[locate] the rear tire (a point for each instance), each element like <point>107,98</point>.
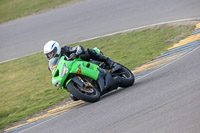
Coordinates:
<point>127,78</point>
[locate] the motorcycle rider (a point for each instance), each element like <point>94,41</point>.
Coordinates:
<point>53,50</point>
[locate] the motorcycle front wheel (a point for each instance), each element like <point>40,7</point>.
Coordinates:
<point>90,94</point>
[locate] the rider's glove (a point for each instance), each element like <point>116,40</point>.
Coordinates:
<point>73,56</point>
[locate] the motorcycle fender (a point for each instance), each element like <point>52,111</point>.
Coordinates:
<point>78,81</point>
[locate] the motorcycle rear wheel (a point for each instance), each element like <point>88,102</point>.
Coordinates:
<point>127,77</point>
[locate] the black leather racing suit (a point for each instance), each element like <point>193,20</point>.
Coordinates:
<point>85,54</point>
<point>68,51</point>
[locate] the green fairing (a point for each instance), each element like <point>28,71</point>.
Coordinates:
<point>87,68</point>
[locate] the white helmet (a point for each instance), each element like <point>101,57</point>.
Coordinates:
<point>52,49</point>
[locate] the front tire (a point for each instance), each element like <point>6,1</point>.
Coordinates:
<point>73,97</point>
<point>93,95</point>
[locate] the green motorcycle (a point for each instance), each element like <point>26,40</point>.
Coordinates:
<point>88,81</point>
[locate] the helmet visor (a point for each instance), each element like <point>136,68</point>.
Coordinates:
<point>51,54</point>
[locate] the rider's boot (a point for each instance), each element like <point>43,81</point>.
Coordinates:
<point>112,65</point>
<point>109,62</point>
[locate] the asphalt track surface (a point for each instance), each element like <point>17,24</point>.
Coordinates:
<point>88,19</point>
<point>165,101</point>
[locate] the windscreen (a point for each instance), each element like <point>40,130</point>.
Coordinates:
<point>53,64</point>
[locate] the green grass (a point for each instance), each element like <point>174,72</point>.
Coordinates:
<point>25,83</point>
<point>135,48</point>
<point>11,9</point>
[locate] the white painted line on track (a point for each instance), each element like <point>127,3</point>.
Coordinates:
<point>141,27</point>
<point>128,30</point>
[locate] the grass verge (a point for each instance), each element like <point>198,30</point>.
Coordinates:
<point>25,83</point>
<point>11,9</point>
